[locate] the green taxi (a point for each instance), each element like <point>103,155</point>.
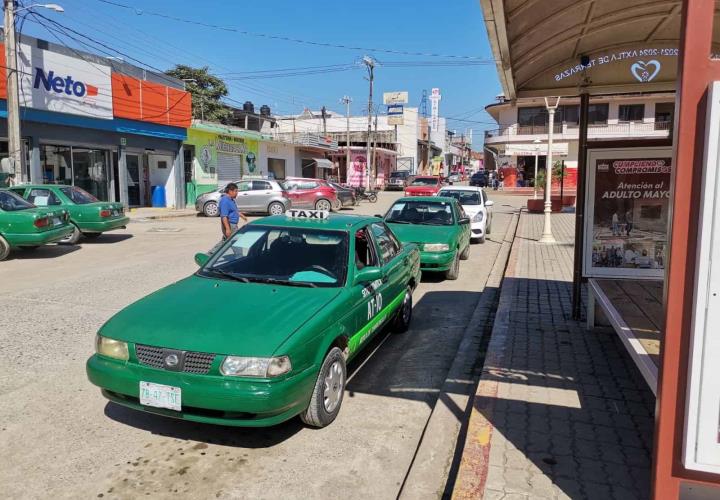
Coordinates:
<point>263,331</point>
<point>438,225</point>
<point>23,225</point>
<point>89,216</point>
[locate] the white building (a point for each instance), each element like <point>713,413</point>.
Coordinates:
<point>523,129</point>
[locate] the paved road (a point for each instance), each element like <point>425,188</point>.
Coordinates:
<point>60,438</point>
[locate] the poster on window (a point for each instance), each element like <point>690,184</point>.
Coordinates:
<point>628,202</point>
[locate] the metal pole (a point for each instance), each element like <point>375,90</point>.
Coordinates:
<point>580,206</point>
<point>547,236</point>
<point>15,149</point>
<point>373,164</point>
<point>368,61</point>
<point>346,101</point>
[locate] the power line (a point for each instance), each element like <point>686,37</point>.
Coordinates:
<point>234,29</point>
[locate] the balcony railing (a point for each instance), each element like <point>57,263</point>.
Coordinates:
<point>627,129</point>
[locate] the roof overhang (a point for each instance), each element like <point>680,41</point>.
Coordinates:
<point>565,47</point>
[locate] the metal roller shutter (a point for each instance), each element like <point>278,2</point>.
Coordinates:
<point>229,168</point>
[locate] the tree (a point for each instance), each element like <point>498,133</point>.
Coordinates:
<point>206,90</point>
<point>557,174</point>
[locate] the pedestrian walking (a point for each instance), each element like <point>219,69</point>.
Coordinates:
<point>615,224</point>
<point>502,181</point>
<point>628,222</point>
<point>229,213</point>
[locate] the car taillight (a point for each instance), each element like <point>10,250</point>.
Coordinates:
<point>105,213</point>
<point>41,222</point>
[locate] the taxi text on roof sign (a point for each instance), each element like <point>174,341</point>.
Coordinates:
<point>308,214</point>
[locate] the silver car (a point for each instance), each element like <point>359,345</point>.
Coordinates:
<point>256,195</point>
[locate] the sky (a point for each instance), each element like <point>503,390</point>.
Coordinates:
<point>439,29</point>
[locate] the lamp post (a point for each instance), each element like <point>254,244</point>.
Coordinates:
<point>537,150</point>
<point>15,150</point>
<point>547,236</point>
<point>370,64</point>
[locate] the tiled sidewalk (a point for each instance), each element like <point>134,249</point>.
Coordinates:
<point>559,412</point>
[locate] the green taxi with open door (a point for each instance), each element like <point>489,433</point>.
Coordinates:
<point>89,216</point>
<point>25,226</point>
<point>263,331</point>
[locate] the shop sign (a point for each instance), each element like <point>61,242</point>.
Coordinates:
<point>643,64</point>
<point>64,84</point>
<point>435,109</point>
<point>628,203</point>
<point>395,98</point>
<point>230,144</point>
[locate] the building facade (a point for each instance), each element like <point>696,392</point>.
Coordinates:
<point>523,130</point>
<point>113,129</point>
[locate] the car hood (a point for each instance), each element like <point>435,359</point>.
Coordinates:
<point>472,210</point>
<point>218,316</point>
<point>411,233</point>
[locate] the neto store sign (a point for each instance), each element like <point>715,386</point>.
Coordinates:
<point>64,84</point>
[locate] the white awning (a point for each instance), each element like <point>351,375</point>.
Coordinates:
<point>324,163</point>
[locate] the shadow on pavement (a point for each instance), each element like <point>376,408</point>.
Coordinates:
<point>51,251</point>
<point>106,239</point>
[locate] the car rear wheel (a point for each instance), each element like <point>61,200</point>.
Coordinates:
<point>404,314</point>
<point>328,393</point>
<point>276,208</point>
<point>454,271</point>
<point>323,205</point>
<point>210,209</point>
<point>4,248</point>
<point>72,238</point>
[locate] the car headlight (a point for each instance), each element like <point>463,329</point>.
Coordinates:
<point>111,348</point>
<point>436,247</point>
<point>478,217</point>
<point>239,366</point>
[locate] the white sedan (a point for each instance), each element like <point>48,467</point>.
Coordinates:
<point>476,205</point>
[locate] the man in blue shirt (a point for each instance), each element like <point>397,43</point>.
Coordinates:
<point>229,213</point>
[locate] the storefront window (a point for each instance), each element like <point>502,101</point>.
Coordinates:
<point>81,167</point>
<point>276,167</point>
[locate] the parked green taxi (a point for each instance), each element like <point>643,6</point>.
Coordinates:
<point>438,225</point>
<point>89,216</point>
<point>23,225</point>
<point>263,330</point>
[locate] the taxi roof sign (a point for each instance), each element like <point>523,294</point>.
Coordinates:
<point>295,213</point>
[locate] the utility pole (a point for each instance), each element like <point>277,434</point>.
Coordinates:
<point>547,236</point>
<point>346,101</point>
<point>373,164</point>
<point>370,64</point>
<point>15,153</point>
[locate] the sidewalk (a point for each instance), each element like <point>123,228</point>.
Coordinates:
<point>559,412</point>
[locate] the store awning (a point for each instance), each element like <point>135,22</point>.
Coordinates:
<point>323,163</point>
<point>607,47</point>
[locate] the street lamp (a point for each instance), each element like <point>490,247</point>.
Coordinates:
<point>537,143</point>
<point>547,236</point>
<point>16,158</point>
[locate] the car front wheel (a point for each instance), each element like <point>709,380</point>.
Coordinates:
<point>328,393</point>
<point>210,209</point>
<point>454,271</point>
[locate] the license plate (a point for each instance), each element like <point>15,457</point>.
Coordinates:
<point>57,221</point>
<point>160,396</point>
<point>115,213</point>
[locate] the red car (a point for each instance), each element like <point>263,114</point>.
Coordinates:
<point>311,193</point>
<point>424,185</point>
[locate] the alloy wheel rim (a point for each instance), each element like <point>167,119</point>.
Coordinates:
<point>323,205</point>
<point>333,387</point>
<point>276,209</point>
<point>211,209</point>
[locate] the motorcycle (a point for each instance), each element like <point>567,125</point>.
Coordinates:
<point>362,195</point>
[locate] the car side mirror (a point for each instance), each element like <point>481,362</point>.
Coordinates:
<point>367,274</point>
<point>201,258</point>
<point>378,215</point>
<point>489,203</point>
<point>464,220</point>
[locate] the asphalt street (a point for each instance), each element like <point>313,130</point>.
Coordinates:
<point>60,438</point>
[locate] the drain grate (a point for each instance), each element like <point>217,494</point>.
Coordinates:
<point>165,230</point>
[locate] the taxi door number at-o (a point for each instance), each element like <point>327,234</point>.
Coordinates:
<point>374,305</point>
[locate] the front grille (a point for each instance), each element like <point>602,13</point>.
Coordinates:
<point>194,362</point>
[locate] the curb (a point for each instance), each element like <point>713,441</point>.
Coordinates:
<point>140,218</point>
<point>473,469</point>
<point>434,457</point>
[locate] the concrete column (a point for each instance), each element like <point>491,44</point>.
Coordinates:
<point>122,177</point>
<point>36,174</point>
<point>180,178</point>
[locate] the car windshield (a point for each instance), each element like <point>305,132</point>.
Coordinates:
<point>431,213</point>
<point>464,197</point>
<point>78,195</point>
<point>400,175</point>
<point>424,181</point>
<point>282,256</point>
<point>10,202</point>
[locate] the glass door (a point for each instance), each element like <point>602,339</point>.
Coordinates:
<point>134,183</point>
